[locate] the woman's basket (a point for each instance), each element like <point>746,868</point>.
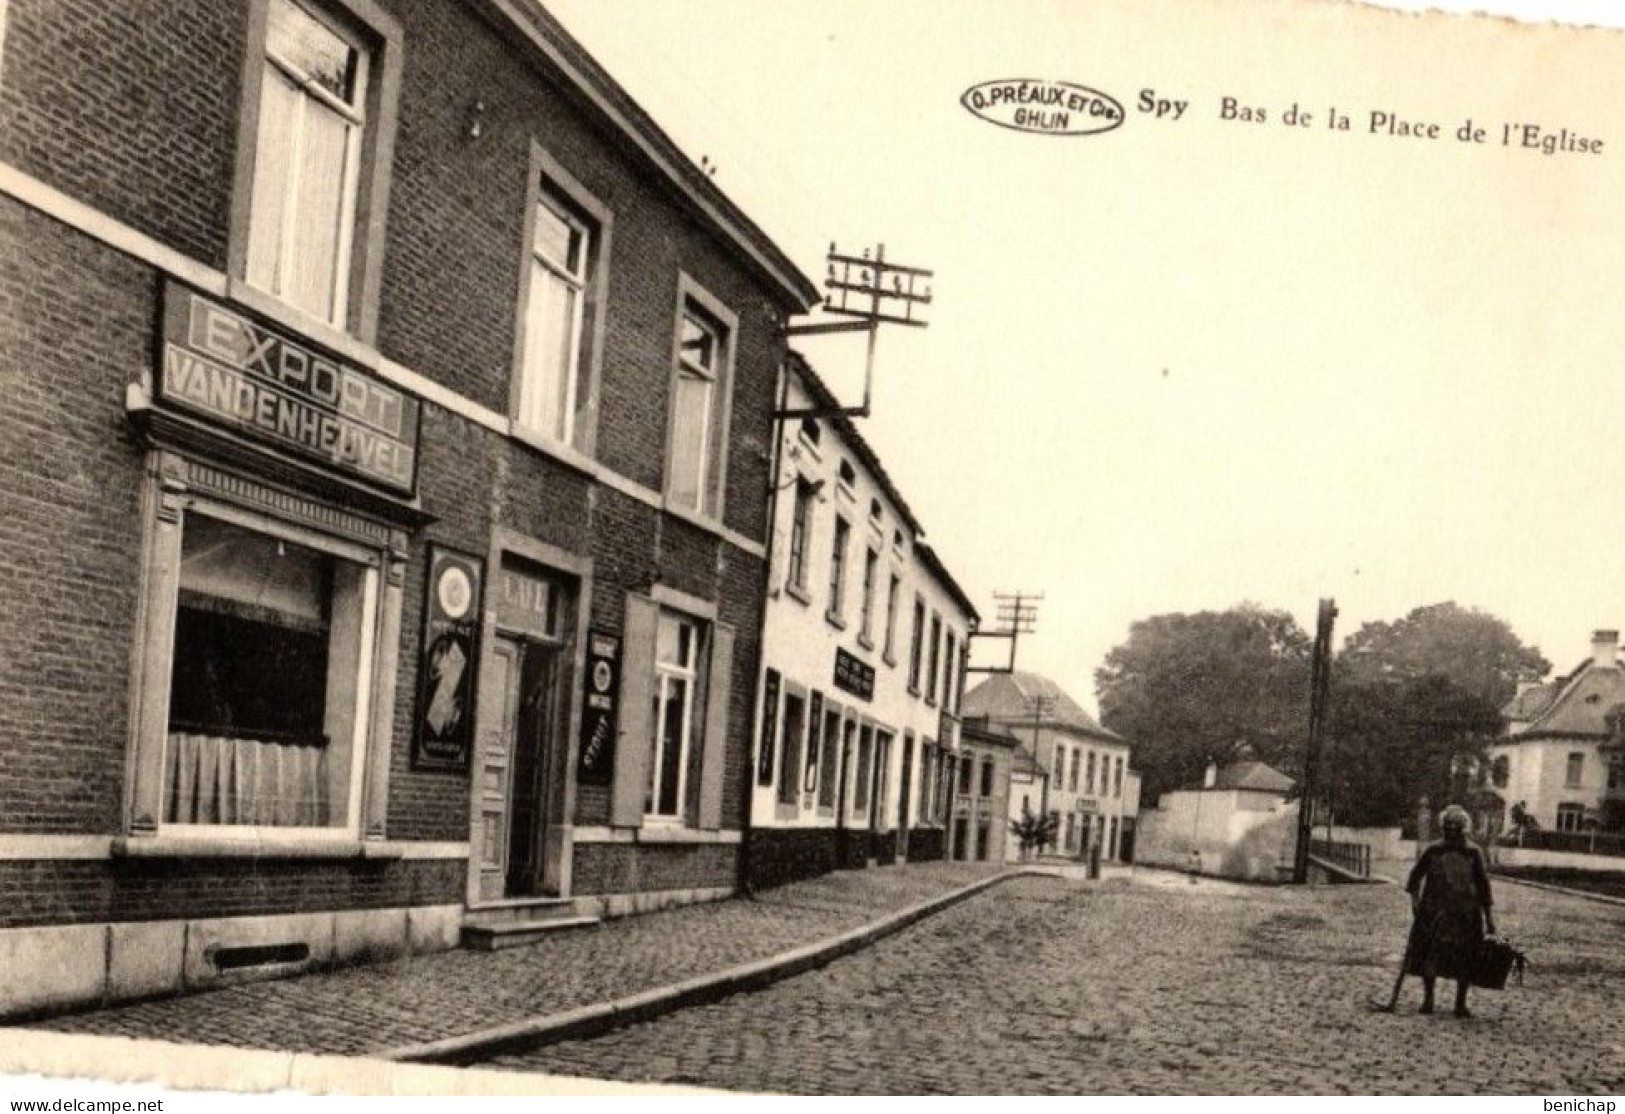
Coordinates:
<point>1493,960</point>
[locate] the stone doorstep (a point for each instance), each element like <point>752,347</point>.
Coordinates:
<point>600,1017</point>
<point>490,937</point>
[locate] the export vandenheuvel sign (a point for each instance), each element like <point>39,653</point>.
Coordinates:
<point>233,370</point>
<point>1043,107</point>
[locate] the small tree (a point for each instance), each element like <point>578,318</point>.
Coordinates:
<point>1034,831</point>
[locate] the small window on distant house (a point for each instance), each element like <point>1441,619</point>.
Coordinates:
<point>1500,771</point>
<point>1576,769</point>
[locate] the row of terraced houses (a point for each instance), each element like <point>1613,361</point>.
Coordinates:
<point>402,548</point>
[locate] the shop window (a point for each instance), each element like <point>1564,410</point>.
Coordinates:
<point>860,783</point>
<point>829,759</point>
<point>677,677</point>
<point>927,773</point>
<point>677,666</point>
<point>1616,773</point>
<point>794,730</point>
<point>1570,817</point>
<point>270,680</point>
<point>981,841</point>
<point>700,380</point>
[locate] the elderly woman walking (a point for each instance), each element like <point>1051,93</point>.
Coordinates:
<point>1450,896</point>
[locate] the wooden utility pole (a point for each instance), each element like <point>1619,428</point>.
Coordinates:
<point>1320,677</point>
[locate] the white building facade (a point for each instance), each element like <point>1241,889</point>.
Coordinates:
<point>863,654</point>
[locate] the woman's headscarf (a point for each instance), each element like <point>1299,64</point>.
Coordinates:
<point>1454,816</point>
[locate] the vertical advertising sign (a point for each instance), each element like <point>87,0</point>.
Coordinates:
<point>443,739</point>
<point>599,707</point>
<point>770,720</point>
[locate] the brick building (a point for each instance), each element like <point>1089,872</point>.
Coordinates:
<point>863,660</point>
<point>386,408</point>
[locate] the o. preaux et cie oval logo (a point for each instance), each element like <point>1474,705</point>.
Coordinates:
<point>1044,107</point>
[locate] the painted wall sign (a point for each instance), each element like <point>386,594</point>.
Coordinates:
<point>1043,107</point>
<point>231,369</point>
<point>526,602</point>
<point>770,721</point>
<point>600,703</point>
<point>444,736</point>
<point>853,675</point>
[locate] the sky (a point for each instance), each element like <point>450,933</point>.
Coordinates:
<point>1190,363</point>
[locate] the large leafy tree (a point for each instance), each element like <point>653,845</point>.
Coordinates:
<point>1477,652</point>
<point>1185,689</point>
<point>1415,703</point>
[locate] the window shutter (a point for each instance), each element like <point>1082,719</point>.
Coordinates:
<point>635,744</point>
<point>714,760</point>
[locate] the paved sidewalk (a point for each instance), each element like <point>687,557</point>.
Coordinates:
<point>384,1005</point>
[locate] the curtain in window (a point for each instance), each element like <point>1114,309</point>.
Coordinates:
<point>689,439</point>
<point>314,252</point>
<point>549,343</point>
<point>217,780</point>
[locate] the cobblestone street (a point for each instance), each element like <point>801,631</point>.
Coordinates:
<point>1152,986</point>
<point>382,1005</point>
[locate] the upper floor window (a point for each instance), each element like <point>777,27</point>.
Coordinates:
<point>1117,778</point>
<point>987,777</point>
<point>312,116</point>
<point>837,567</point>
<point>1077,761</point>
<point>800,530</point>
<point>1500,771</point>
<point>893,591</point>
<point>810,430</point>
<point>934,652</point>
<point>560,247</point>
<point>1089,774</point>
<point>916,645</point>
<point>875,511</point>
<point>848,475</point>
<point>871,569</point>
<point>949,672</point>
<point>699,424</point>
<point>1576,768</point>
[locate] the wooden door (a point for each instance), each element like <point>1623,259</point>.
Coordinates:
<point>498,708</point>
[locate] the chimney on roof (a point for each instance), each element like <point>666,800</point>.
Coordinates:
<point>1604,648</point>
<point>1211,777</point>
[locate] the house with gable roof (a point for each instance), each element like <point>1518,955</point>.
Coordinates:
<point>1560,756</point>
<point>1092,791</point>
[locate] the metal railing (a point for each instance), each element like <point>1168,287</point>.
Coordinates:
<point>1352,857</point>
<point>1580,843</point>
